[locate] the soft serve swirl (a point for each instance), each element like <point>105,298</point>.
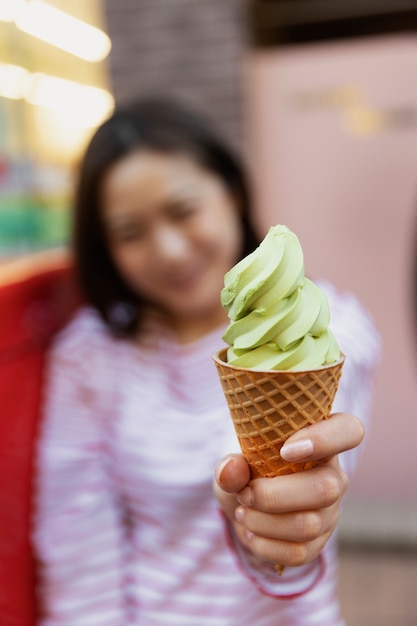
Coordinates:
<point>279,318</point>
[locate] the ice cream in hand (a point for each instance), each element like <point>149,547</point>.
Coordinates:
<point>282,369</point>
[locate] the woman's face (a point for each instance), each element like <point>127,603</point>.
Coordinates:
<point>173,231</point>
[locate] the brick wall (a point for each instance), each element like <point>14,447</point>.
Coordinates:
<point>190,49</point>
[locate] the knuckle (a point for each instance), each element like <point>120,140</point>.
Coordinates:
<point>297,554</point>
<point>266,496</point>
<point>309,525</point>
<point>330,489</point>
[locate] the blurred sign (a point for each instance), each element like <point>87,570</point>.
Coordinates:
<point>333,143</point>
<point>283,22</point>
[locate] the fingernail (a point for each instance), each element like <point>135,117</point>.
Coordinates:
<point>245,496</point>
<point>239,514</point>
<point>297,450</point>
<point>220,467</point>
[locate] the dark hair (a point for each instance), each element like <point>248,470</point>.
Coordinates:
<point>158,124</point>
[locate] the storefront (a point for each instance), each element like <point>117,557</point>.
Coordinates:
<point>332,113</point>
<point>54,90</point>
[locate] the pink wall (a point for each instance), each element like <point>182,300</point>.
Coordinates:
<point>333,142</point>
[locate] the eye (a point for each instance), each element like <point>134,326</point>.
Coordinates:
<point>183,209</point>
<point>126,233</point>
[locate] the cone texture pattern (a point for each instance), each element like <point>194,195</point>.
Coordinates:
<point>268,407</point>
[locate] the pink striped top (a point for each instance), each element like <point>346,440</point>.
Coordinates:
<point>127,527</point>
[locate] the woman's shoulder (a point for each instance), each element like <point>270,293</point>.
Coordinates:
<point>85,333</point>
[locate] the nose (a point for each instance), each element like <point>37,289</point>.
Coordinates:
<point>170,243</point>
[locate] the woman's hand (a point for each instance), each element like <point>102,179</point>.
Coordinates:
<point>289,519</point>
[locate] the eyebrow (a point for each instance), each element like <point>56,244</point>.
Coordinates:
<point>180,188</point>
<point>120,219</point>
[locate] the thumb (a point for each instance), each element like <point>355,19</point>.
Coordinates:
<point>232,473</point>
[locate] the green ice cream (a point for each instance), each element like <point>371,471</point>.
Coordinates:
<point>279,318</point>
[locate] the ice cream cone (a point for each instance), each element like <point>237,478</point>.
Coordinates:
<point>267,407</point>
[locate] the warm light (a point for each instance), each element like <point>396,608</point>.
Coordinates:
<point>9,9</point>
<point>13,81</point>
<point>86,106</point>
<point>62,30</point>
<point>82,106</point>
<point>68,142</point>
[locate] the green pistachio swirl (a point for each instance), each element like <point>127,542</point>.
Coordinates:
<point>279,318</point>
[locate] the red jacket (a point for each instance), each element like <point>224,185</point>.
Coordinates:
<point>37,296</point>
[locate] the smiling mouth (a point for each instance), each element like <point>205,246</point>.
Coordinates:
<point>186,280</point>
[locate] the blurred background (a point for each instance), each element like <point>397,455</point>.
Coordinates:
<point>320,98</point>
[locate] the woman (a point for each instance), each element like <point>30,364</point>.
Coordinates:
<point>128,527</point>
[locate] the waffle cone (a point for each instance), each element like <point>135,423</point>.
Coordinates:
<point>268,407</point>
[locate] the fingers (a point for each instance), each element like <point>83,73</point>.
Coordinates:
<point>291,526</point>
<point>289,519</point>
<point>287,553</point>
<point>231,476</point>
<point>320,441</point>
<point>303,526</point>
<point>232,473</point>
<point>329,437</point>
<point>317,488</point>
